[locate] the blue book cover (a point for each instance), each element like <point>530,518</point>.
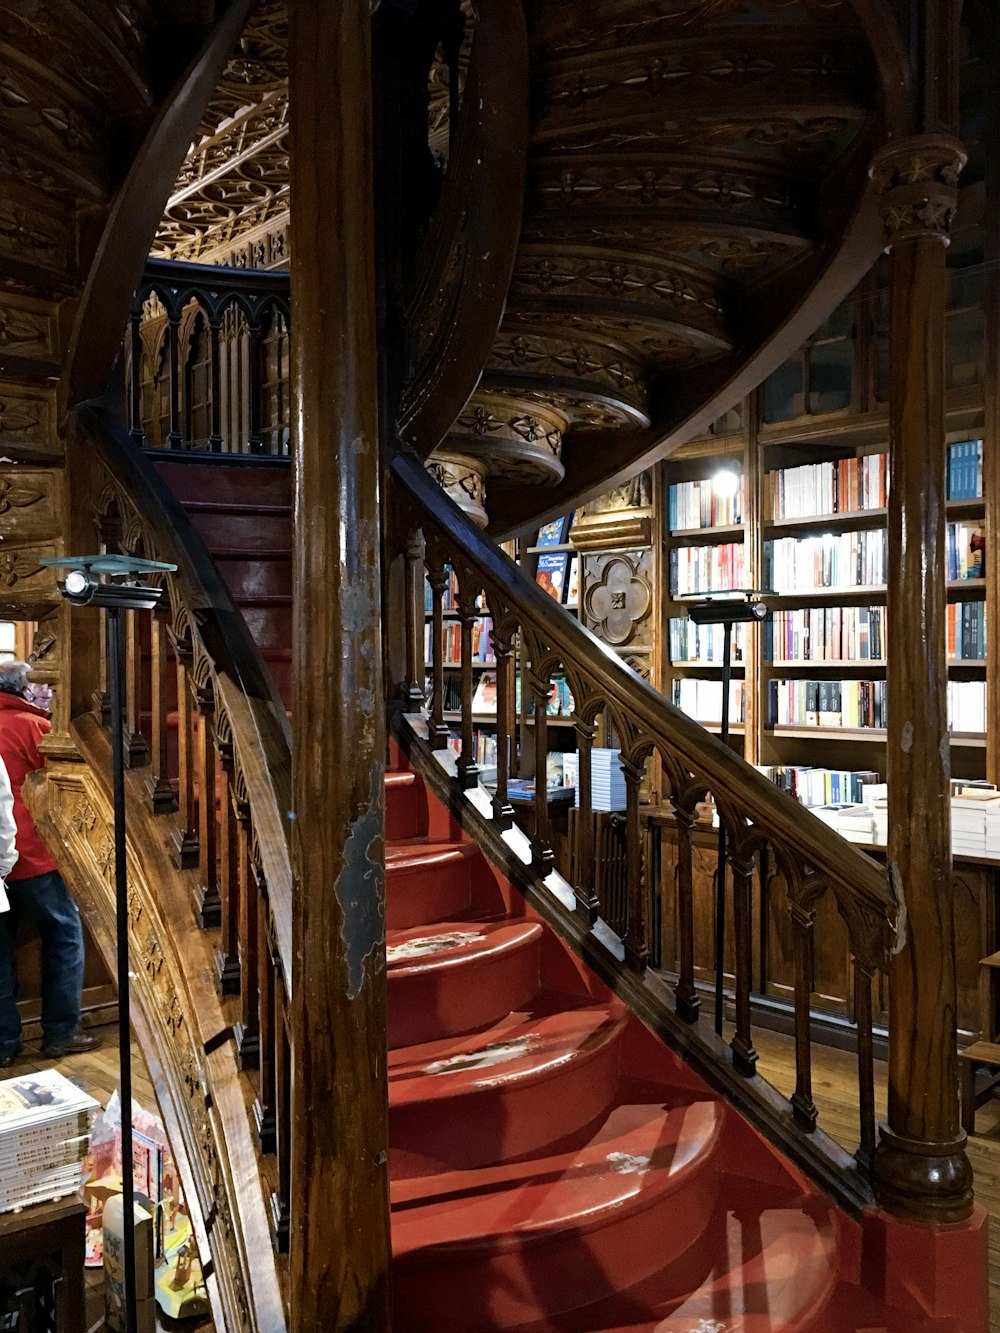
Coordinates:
<point>551,572</point>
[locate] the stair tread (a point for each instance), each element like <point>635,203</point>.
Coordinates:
<point>639,1154</point>
<point>523,1047</point>
<point>454,944</point>
<point>420,850</point>
<point>773,1273</point>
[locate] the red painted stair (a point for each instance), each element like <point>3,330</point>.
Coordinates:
<point>554,1168</point>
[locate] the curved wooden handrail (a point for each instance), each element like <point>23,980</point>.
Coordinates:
<point>848,869</point>
<point>244,692</point>
<point>138,208</point>
<point>465,264</point>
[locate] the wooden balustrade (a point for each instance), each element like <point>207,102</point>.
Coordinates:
<point>198,331</point>
<point>636,870</point>
<point>205,716</point>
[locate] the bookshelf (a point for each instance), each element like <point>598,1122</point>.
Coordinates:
<point>809,684</point>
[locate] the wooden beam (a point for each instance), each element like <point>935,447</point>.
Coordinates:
<point>339,1205</point>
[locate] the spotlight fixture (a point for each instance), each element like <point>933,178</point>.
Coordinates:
<point>119,586</point>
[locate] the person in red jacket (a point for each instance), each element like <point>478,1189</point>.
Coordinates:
<point>35,888</point>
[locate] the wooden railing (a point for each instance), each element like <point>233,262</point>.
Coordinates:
<point>207,359</point>
<point>770,838</point>
<point>202,715</point>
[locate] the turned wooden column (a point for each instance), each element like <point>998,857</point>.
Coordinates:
<point>921,1167</point>
<point>339,1232</point>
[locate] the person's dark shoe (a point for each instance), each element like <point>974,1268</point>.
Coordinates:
<point>7,1060</point>
<point>75,1044</point>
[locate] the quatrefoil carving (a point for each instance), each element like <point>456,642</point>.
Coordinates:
<point>618,602</point>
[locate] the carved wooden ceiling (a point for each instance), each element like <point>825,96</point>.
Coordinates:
<point>689,163</point>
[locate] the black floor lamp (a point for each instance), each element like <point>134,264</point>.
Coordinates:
<point>736,606</point>
<point>111,582</point>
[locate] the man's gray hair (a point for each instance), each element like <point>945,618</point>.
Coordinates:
<point>14,676</point>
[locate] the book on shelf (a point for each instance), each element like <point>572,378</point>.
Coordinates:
<point>550,574</point>
<point>835,560</point>
<point>484,747</point>
<point>966,631</point>
<point>557,532</point>
<point>823,786</point>
<point>826,634</point>
<point>851,704</point>
<point>703,569</point>
<point>703,643</point>
<point>965,551</point>
<point>967,707</point>
<point>482,641</point>
<point>964,470</point>
<point>813,490</point>
<point>697,504</point>
<point>572,592</point>
<point>702,699</point>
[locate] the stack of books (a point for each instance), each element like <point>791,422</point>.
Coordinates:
<point>44,1134</point>
<point>975,822</point>
<point>607,781</point>
<point>854,822</point>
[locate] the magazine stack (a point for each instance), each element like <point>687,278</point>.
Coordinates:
<point>44,1133</point>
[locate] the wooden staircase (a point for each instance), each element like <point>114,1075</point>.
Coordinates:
<point>553,1165</point>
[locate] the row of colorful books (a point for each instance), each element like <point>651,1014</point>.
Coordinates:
<point>965,551</point>
<point>482,641</point>
<point>697,504</point>
<point>830,560</point>
<point>846,486</point>
<point>821,786</point>
<point>826,634</point>
<point>964,470</point>
<point>700,569</point>
<point>853,704</point>
<point>702,699</point>
<point>703,643</point>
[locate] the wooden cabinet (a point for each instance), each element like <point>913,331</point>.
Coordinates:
<point>41,1268</point>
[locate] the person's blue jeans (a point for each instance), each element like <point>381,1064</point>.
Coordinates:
<point>45,903</point>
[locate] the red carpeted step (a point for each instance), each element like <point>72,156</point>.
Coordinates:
<point>466,1101</point>
<point>405,806</point>
<point>458,977</point>
<point>200,481</point>
<point>230,525</point>
<point>489,1248</point>
<point>427,881</point>
<point>255,573</point>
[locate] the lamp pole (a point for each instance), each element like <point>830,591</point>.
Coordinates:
<point>737,606</point>
<point>115,592</point>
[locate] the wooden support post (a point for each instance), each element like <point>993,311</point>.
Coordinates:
<point>339,1232</point>
<point>921,1167</point>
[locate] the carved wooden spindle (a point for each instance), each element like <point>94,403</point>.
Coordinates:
<point>744,1055</point>
<point>255,346</point>
<point>687,1001</point>
<point>247,1029</point>
<point>161,794</point>
<point>282,1196</point>
<point>542,855</point>
<point>413,595</point>
<point>803,918</point>
<point>636,928</point>
<point>174,437</point>
<point>208,904</point>
<point>215,440</point>
<point>438,577</point>
<point>227,959</point>
<point>264,1113</point>
<point>863,974</point>
<point>503,811</point>
<point>584,881</point>
<point>468,611</point>
<point>136,747</point>
<point>135,381</point>
<point>187,837</point>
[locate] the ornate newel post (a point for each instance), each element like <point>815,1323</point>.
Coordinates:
<point>339,1241</point>
<point>921,1168</point>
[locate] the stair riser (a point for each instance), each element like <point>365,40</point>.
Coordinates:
<point>405,810</point>
<point>441,1002</point>
<point>420,894</point>
<point>236,484</point>
<point>248,577</point>
<point>249,532</point>
<point>494,1124</point>
<point>270,626</point>
<point>501,1288</point>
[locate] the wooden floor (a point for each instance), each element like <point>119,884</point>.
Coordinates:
<point>96,1073</point>
<point>835,1094</point>
<point>834,1091</point>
